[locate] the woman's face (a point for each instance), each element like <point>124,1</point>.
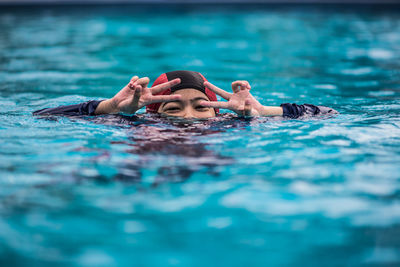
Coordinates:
<point>188,105</point>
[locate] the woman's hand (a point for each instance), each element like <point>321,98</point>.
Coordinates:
<point>136,95</point>
<point>241,101</point>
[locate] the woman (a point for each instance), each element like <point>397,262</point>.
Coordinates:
<point>184,94</point>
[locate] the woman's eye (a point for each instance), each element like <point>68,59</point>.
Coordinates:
<point>172,109</point>
<point>202,108</point>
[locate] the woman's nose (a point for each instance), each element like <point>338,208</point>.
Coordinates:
<point>189,114</point>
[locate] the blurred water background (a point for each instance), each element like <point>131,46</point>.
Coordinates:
<point>146,191</point>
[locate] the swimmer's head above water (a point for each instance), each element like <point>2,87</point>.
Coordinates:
<point>192,92</point>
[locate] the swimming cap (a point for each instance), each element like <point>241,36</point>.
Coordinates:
<point>189,79</point>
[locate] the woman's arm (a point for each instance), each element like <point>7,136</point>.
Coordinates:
<point>129,99</point>
<point>244,104</point>
<point>86,108</point>
<point>294,111</point>
<point>271,111</point>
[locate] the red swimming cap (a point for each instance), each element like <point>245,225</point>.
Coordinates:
<point>189,79</point>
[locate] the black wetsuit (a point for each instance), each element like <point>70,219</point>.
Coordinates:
<point>88,108</point>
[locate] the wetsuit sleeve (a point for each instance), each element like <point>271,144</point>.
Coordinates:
<point>86,108</point>
<point>294,111</point>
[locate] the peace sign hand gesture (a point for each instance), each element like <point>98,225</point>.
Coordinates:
<point>136,95</point>
<point>241,101</point>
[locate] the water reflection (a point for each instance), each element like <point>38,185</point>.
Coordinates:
<point>170,145</point>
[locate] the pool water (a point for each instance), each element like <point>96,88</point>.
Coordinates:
<point>147,191</point>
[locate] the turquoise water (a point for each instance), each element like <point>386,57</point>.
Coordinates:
<point>146,191</point>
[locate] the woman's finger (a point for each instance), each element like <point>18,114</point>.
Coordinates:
<point>163,98</point>
<point>164,86</point>
<point>136,95</point>
<point>240,85</point>
<point>214,104</point>
<point>236,86</point>
<point>143,81</point>
<point>132,82</point>
<point>134,79</point>
<point>132,85</point>
<point>245,85</point>
<point>224,94</point>
<point>247,108</point>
